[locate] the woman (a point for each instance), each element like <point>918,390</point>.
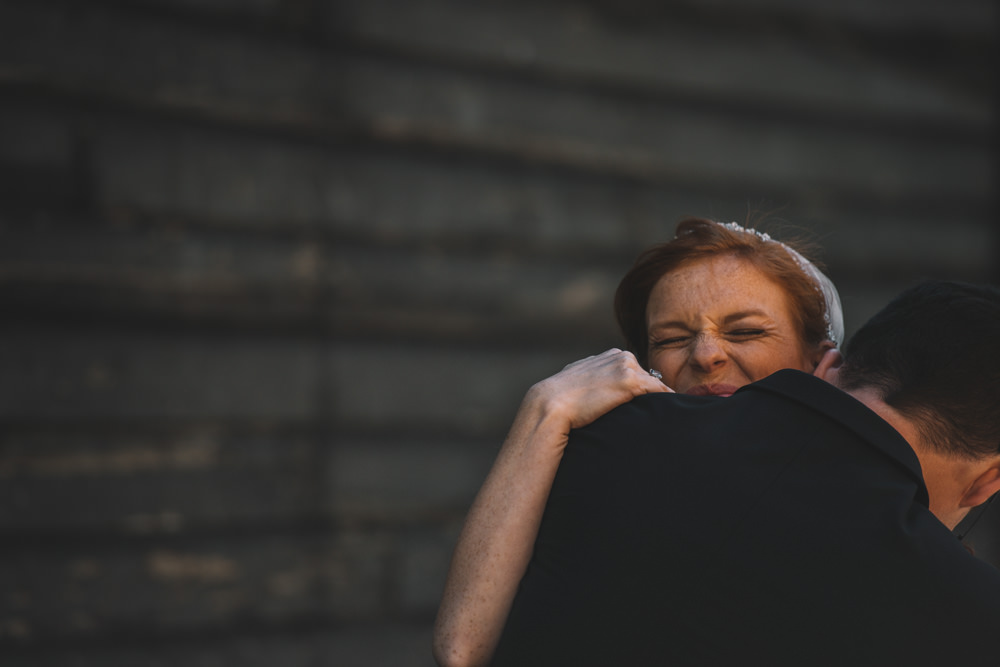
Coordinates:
<point>714,309</point>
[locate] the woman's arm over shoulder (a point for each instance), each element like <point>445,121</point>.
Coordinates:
<point>497,539</point>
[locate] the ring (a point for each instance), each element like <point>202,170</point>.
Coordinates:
<point>655,373</point>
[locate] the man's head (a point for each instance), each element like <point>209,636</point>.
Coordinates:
<point>932,356</point>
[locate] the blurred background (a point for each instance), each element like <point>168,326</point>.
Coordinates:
<point>276,273</point>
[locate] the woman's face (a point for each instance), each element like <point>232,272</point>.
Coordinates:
<point>719,323</point>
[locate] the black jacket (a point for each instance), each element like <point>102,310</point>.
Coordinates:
<point>785,525</point>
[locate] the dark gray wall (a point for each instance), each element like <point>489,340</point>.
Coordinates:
<point>275,274</point>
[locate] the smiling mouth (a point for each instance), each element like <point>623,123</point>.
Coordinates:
<point>713,390</point>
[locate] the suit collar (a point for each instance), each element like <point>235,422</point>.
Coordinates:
<point>846,410</point>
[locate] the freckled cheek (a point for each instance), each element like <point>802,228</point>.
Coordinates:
<point>759,366</point>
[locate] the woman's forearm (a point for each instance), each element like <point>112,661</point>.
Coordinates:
<point>496,542</point>
<point>498,538</point>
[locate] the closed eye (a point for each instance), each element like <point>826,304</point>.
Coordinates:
<point>673,341</point>
<point>746,333</point>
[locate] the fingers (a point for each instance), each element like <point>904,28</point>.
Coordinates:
<point>612,368</point>
<point>643,380</point>
<point>596,358</point>
<point>590,387</point>
<point>655,384</point>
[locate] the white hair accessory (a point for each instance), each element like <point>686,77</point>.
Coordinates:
<point>833,313</point>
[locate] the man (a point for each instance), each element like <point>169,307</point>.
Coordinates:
<point>798,522</point>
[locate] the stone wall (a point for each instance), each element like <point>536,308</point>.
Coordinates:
<point>275,274</point>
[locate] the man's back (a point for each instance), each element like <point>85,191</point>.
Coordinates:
<point>787,524</point>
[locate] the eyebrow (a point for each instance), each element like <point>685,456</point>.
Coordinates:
<point>733,317</point>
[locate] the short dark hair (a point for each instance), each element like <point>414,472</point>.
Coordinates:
<point>700,238</point>
<point>933,354</point>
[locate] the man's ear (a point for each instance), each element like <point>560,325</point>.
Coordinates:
<point>828,364</point>
<point>982,487</point>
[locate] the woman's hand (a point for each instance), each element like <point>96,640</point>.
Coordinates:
<point>591,387</point>
<point>499,534</point>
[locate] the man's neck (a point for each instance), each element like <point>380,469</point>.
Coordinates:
<point>946,476</point>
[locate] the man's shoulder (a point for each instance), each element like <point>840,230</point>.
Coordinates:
<point>652,415</point>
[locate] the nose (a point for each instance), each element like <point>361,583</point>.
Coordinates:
<point>707,353</point>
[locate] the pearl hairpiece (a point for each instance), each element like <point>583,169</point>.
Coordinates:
<point>833,313</point>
